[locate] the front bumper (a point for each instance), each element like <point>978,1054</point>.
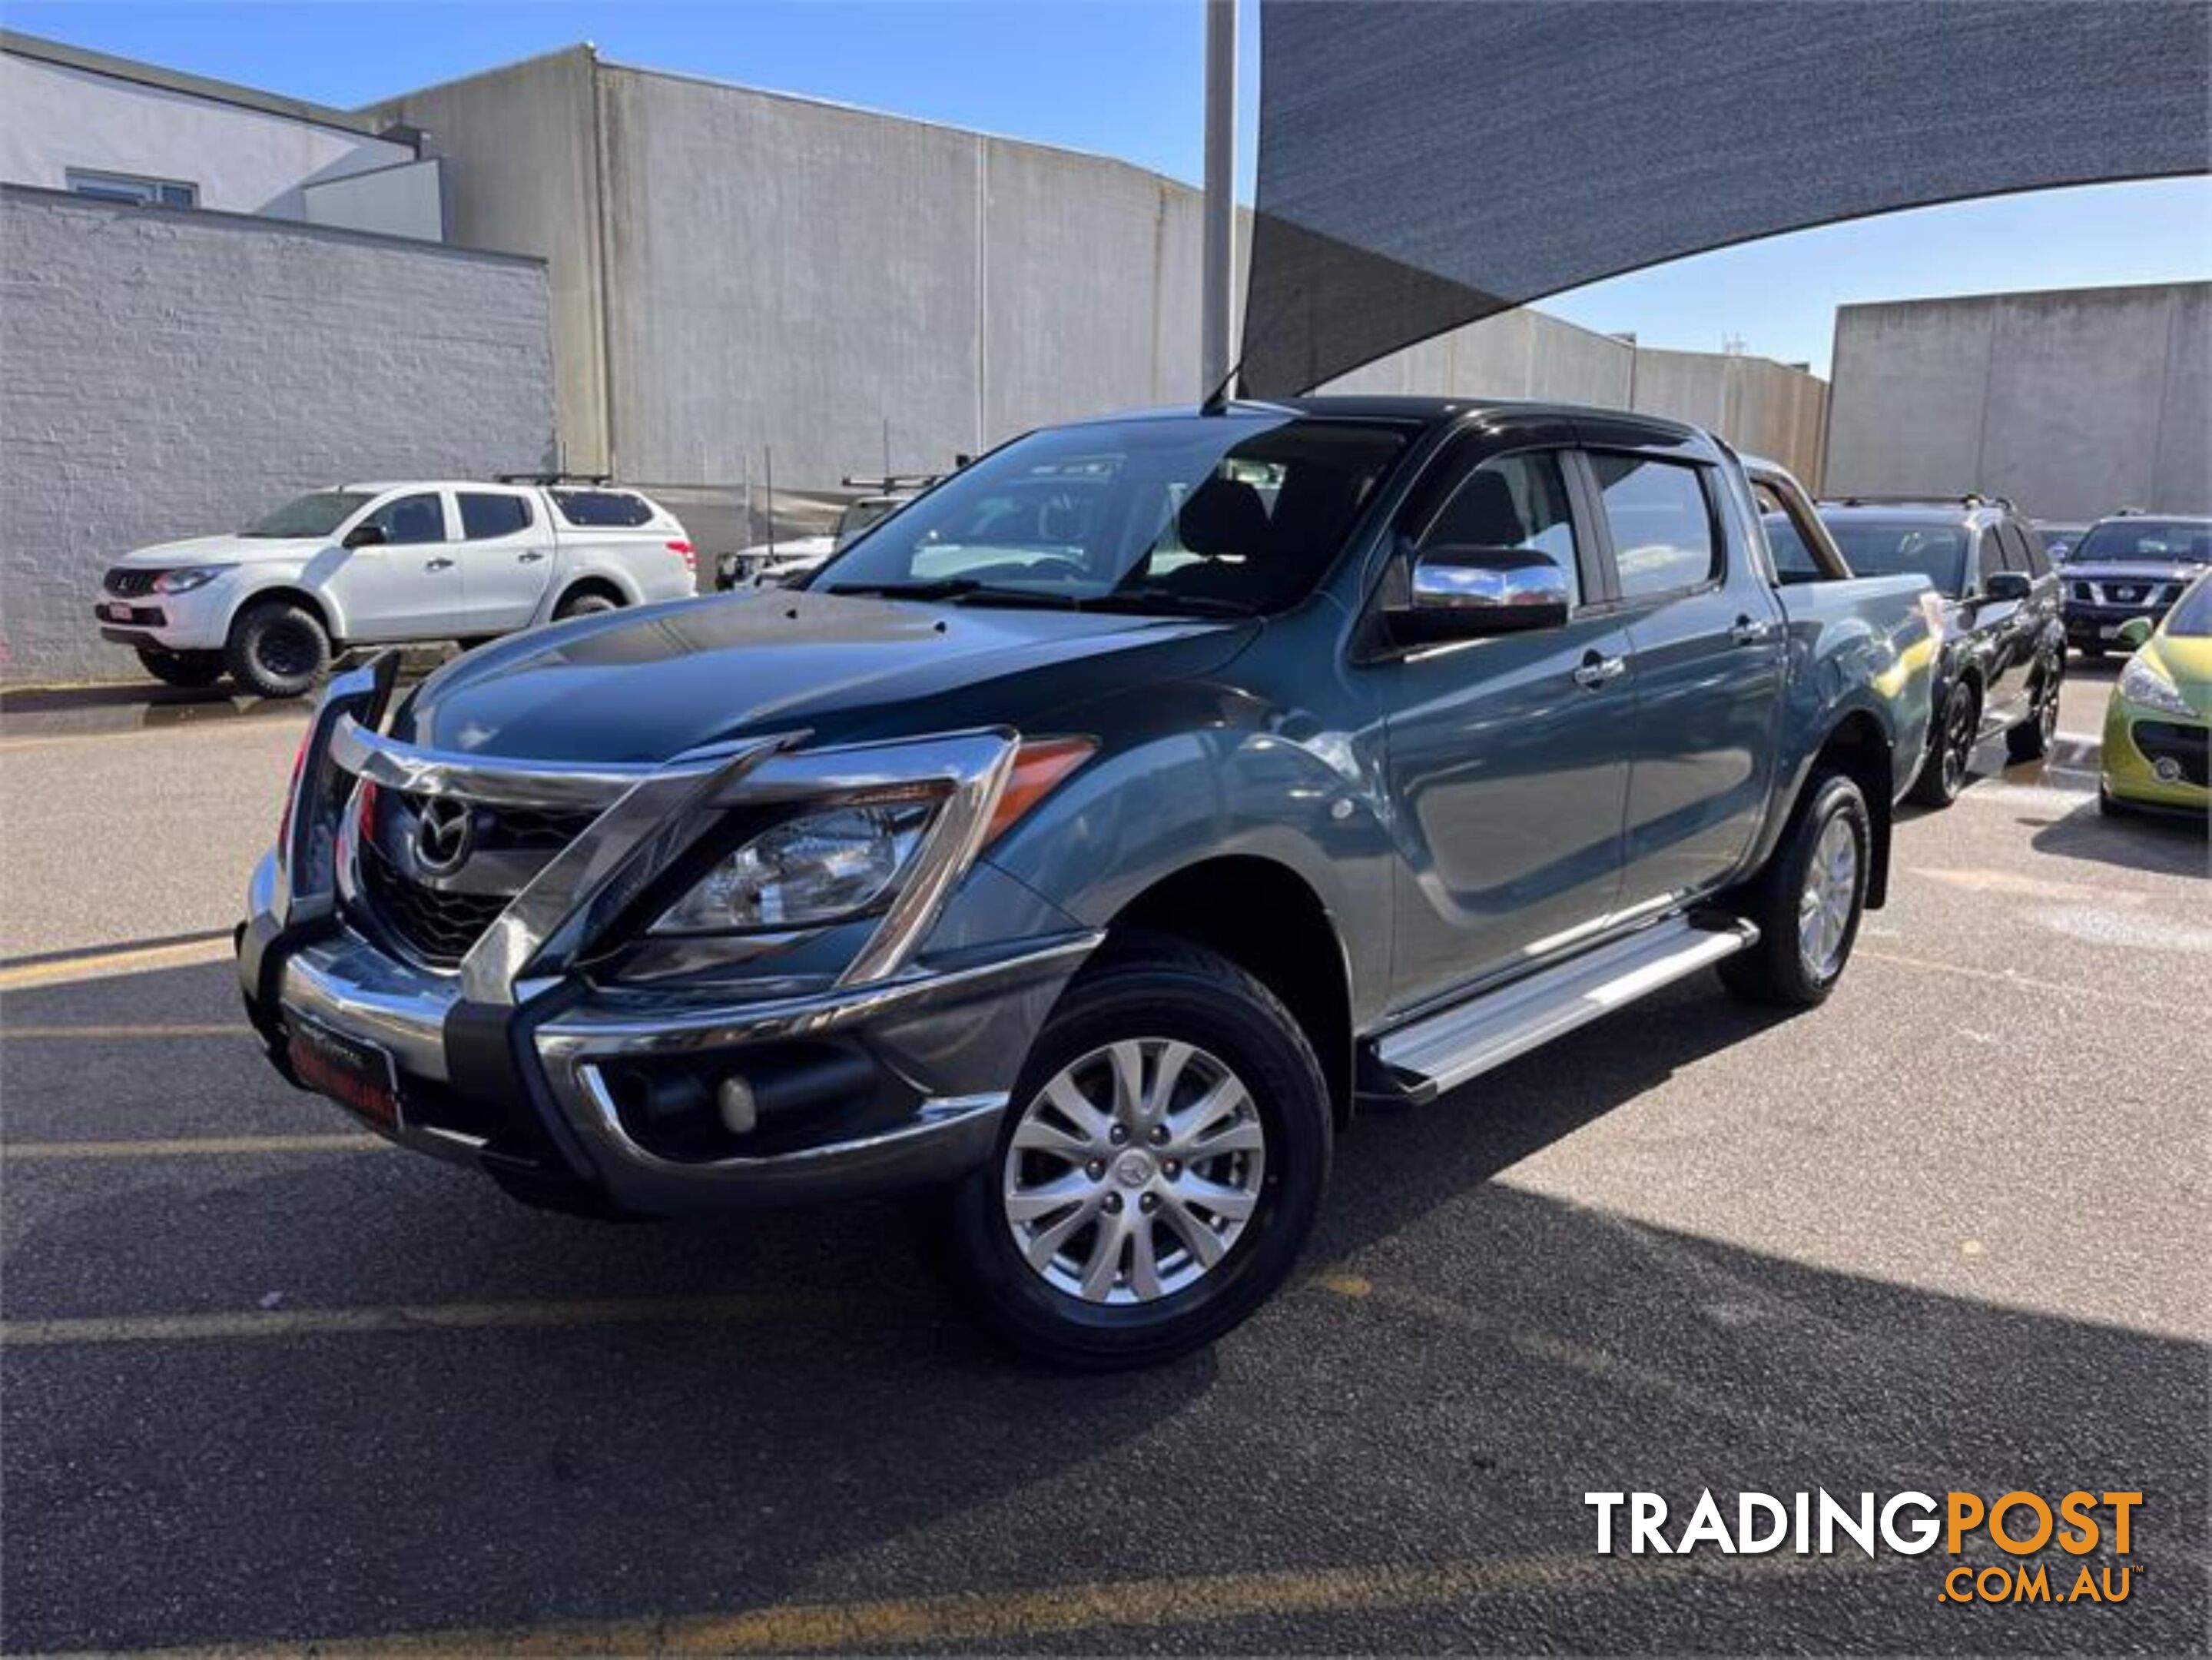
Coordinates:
<point>2155,759</point>
<point>2099,625</point>
<point>196,620</point>
<point>598,1096</point>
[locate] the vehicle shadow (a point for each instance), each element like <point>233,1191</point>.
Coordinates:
<point>866,1443</point>
<point>2169,846</point>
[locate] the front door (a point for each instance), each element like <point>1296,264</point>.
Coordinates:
<point>408,587</point>
<point>1504,755</point>
<point>1708,648</point>
<point>506,554</point>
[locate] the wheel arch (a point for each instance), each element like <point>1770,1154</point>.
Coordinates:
<point>1858,747</point>
<point>592,578</point>
<point>1269,921</point>
<point>319,606</point>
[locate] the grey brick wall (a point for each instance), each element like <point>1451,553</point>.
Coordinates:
<point>166,375</point>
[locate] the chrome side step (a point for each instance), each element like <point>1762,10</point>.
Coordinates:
<point>1443,1050</point>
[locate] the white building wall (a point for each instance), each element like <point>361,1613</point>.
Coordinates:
<point>53,118</point>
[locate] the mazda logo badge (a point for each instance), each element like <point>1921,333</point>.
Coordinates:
<point>445,836</point>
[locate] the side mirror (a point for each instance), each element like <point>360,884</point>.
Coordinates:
<point>2007,585</point>
<point>2134,633</point>
<point>1459,592</point>
<point>365,535</point>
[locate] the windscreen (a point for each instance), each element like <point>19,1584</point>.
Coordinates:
<point>1902,547</point>
<point>319,515</point>
<point>2191,619</point>
<point>2147,541</point>
<point>1204,514</point>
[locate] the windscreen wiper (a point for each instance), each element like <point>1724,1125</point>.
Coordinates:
<point>961,591</point>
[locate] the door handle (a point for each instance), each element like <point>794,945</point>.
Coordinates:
<point>437,565</point>
<point>1750,632</point>
<point>529,558</point>
<point>1597,670</point>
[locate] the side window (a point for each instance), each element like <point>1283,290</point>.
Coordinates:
<point>602,509</point>
<point>2039,556</point>
<point>1662,523</point>
<point>2015,550</point>
<point>407,519</point>
<point>1513,501</point>
<point>1989,554</point>
<point>484,515</point>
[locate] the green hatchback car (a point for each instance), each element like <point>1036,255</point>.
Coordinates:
<point>2158,726</point>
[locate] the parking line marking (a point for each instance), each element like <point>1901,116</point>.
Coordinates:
<point>112,1034</point>
<point>187,1146</point>
<point>2023,983</point>
<point>727,1308</point>
<point>1013,1617</point>
<point>101,965</point>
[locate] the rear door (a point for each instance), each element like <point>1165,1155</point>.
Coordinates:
<point>1504,757</point>
<point>506,555</point>
<point>1708,652</point>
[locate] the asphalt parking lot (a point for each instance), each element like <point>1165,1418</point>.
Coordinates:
<point>268,1384</point>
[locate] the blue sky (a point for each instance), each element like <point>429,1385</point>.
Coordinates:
<point>1124,77</point>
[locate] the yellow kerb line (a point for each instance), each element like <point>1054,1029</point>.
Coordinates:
<point>138,959</point>
<point>734,1307</point>
<point>1017,1616</point>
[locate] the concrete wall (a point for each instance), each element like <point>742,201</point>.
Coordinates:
<point>520,159</point>
<point>1765,408</point>
<point>405,200</point>
<point>53,118</point>
<point>170,373</point>
<point>850,290</point>
<point>2073,403</point>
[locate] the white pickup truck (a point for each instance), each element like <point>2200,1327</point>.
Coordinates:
<point>367,564</point>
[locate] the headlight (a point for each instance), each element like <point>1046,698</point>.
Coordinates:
<point>191,577</point>
<point>2142,681</point>
<point>805,870</point>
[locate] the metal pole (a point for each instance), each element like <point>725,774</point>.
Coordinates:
<point>1219,317</point>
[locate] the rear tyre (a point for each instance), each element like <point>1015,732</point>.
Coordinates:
<point>2031,740</point>
<point>277,649</point>
<point>589,603</point>
<point>1157,1171</point>
<point>193,669</point>
<point>1808,901</point>
<point>1950,749</point>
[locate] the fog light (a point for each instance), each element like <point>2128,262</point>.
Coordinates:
<point>733,1099</point>
<point>2167,769</point>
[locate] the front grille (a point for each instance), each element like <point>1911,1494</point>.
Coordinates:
<point>439,924</point>
<point>125,583</point>
<point>2188,748</point>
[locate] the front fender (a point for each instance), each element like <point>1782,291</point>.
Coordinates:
<point>1305,803</point>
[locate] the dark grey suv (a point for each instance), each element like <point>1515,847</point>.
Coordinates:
<point>1091,838</point>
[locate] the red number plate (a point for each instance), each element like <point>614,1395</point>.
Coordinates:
<point>358,1076</point>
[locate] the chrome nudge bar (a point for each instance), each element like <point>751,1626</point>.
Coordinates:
<point>648,817</point>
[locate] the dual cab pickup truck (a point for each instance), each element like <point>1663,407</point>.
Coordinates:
<point>1093,868</point>
<point>362,564</point>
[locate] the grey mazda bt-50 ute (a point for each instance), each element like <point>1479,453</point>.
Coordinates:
<point>1091,839</point>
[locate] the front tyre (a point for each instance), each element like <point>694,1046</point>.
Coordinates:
<point>1951,749</point>
<point>1159,1168</point>
<point>277,649</point>
<point>1808,900</point>
<point>191,668</point>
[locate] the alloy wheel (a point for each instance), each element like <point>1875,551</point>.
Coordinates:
<point>1134,1171</point>
<point>1958,740</point>
<point>1824,908</point>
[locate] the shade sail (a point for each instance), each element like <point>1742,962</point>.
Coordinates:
<point>1423,165</point>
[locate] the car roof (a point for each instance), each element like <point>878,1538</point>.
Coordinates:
<point>2132,517</point>
<point>377,486</point>
<point>1423,410</point>
<point>1948,513</point>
